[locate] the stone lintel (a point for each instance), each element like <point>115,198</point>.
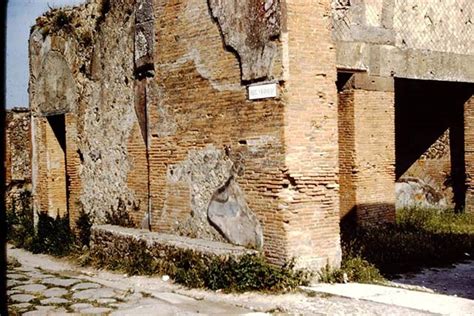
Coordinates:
<point>365,81</point>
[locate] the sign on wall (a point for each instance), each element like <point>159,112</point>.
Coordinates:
<point>263,91</point>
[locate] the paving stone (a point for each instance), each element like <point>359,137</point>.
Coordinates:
<point>60,282</point>
<point>96,310</point>
<point>80,306</point>
<point>11,283</point>
<point>21,305</point>
<point>94,294</point>
<point>54,300</point>
<point>50,310</point>
<point>39,275</point>
<point>22,298</point>
<point>16,276</point>
<point>55,292</point>
<point>85,286</point>
<point>106,300</point>
<point>12,292</point>
<point>25,269</point>
<point>31,288</point>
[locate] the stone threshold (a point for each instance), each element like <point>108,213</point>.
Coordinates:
<point>153,239</point>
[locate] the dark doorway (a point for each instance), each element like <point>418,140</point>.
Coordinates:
<point>429,133</point>
<point>56,165</point>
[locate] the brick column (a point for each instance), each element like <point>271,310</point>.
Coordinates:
<point>469,152</point>
<point>367,149</point>
<point>310,198</point>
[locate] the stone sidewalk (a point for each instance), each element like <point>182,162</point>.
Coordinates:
<point>422,301</point>
<point>43,285</point>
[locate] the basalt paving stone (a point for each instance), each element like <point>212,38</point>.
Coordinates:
<point>16,276</point>
<point>12,292</point>
<point>12,283</point>
<point>22,298</point>
<point>26,269</point>
<point>54,300</point>
<point>52,310</point>
<point>60,282</point>
<point>80,306</point>
<point>21,306</point>
<point>96,310</point>
<point>39,275</point>
<point>55,292</point>
<point>31,288</point>
<point>85,286</point>
<point>94,294</point>
<point>106,300</point>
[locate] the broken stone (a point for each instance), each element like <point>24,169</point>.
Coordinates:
<point>229,213</point>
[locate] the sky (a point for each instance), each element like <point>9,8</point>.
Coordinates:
<point>21,15</point>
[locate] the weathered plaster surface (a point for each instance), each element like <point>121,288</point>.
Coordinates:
<point>249,27</point>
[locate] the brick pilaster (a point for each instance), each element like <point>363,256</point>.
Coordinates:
<point>367,149</point>
<point>469,152</point>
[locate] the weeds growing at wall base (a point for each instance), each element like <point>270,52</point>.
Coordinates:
<point>419,238</point>
<point>251,272</point>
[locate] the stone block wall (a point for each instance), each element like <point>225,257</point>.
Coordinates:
<point>428,40</point>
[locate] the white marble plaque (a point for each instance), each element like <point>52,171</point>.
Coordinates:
<point>263,91</point>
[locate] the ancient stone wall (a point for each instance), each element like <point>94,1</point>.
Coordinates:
<point>82,66</point>
<point>157,114</point>
<point>216,158</point>
<point>429,40</point>
<point>17,161</point>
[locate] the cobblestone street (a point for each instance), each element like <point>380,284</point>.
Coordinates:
<point>43,285</point>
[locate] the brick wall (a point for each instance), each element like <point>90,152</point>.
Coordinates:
<point>73,165</point>
<point>55,170</point>
<point>310,199</point>
<point>469,152</point>
<point>197,104</point>
<point>367,154</point>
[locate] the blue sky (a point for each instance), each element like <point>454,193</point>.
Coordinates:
<point>21,15</point>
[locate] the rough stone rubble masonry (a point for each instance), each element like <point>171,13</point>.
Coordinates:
<point>17,161</point>
<point>143,105</point>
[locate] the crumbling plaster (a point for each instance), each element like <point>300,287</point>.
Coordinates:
<point>97,84</point>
